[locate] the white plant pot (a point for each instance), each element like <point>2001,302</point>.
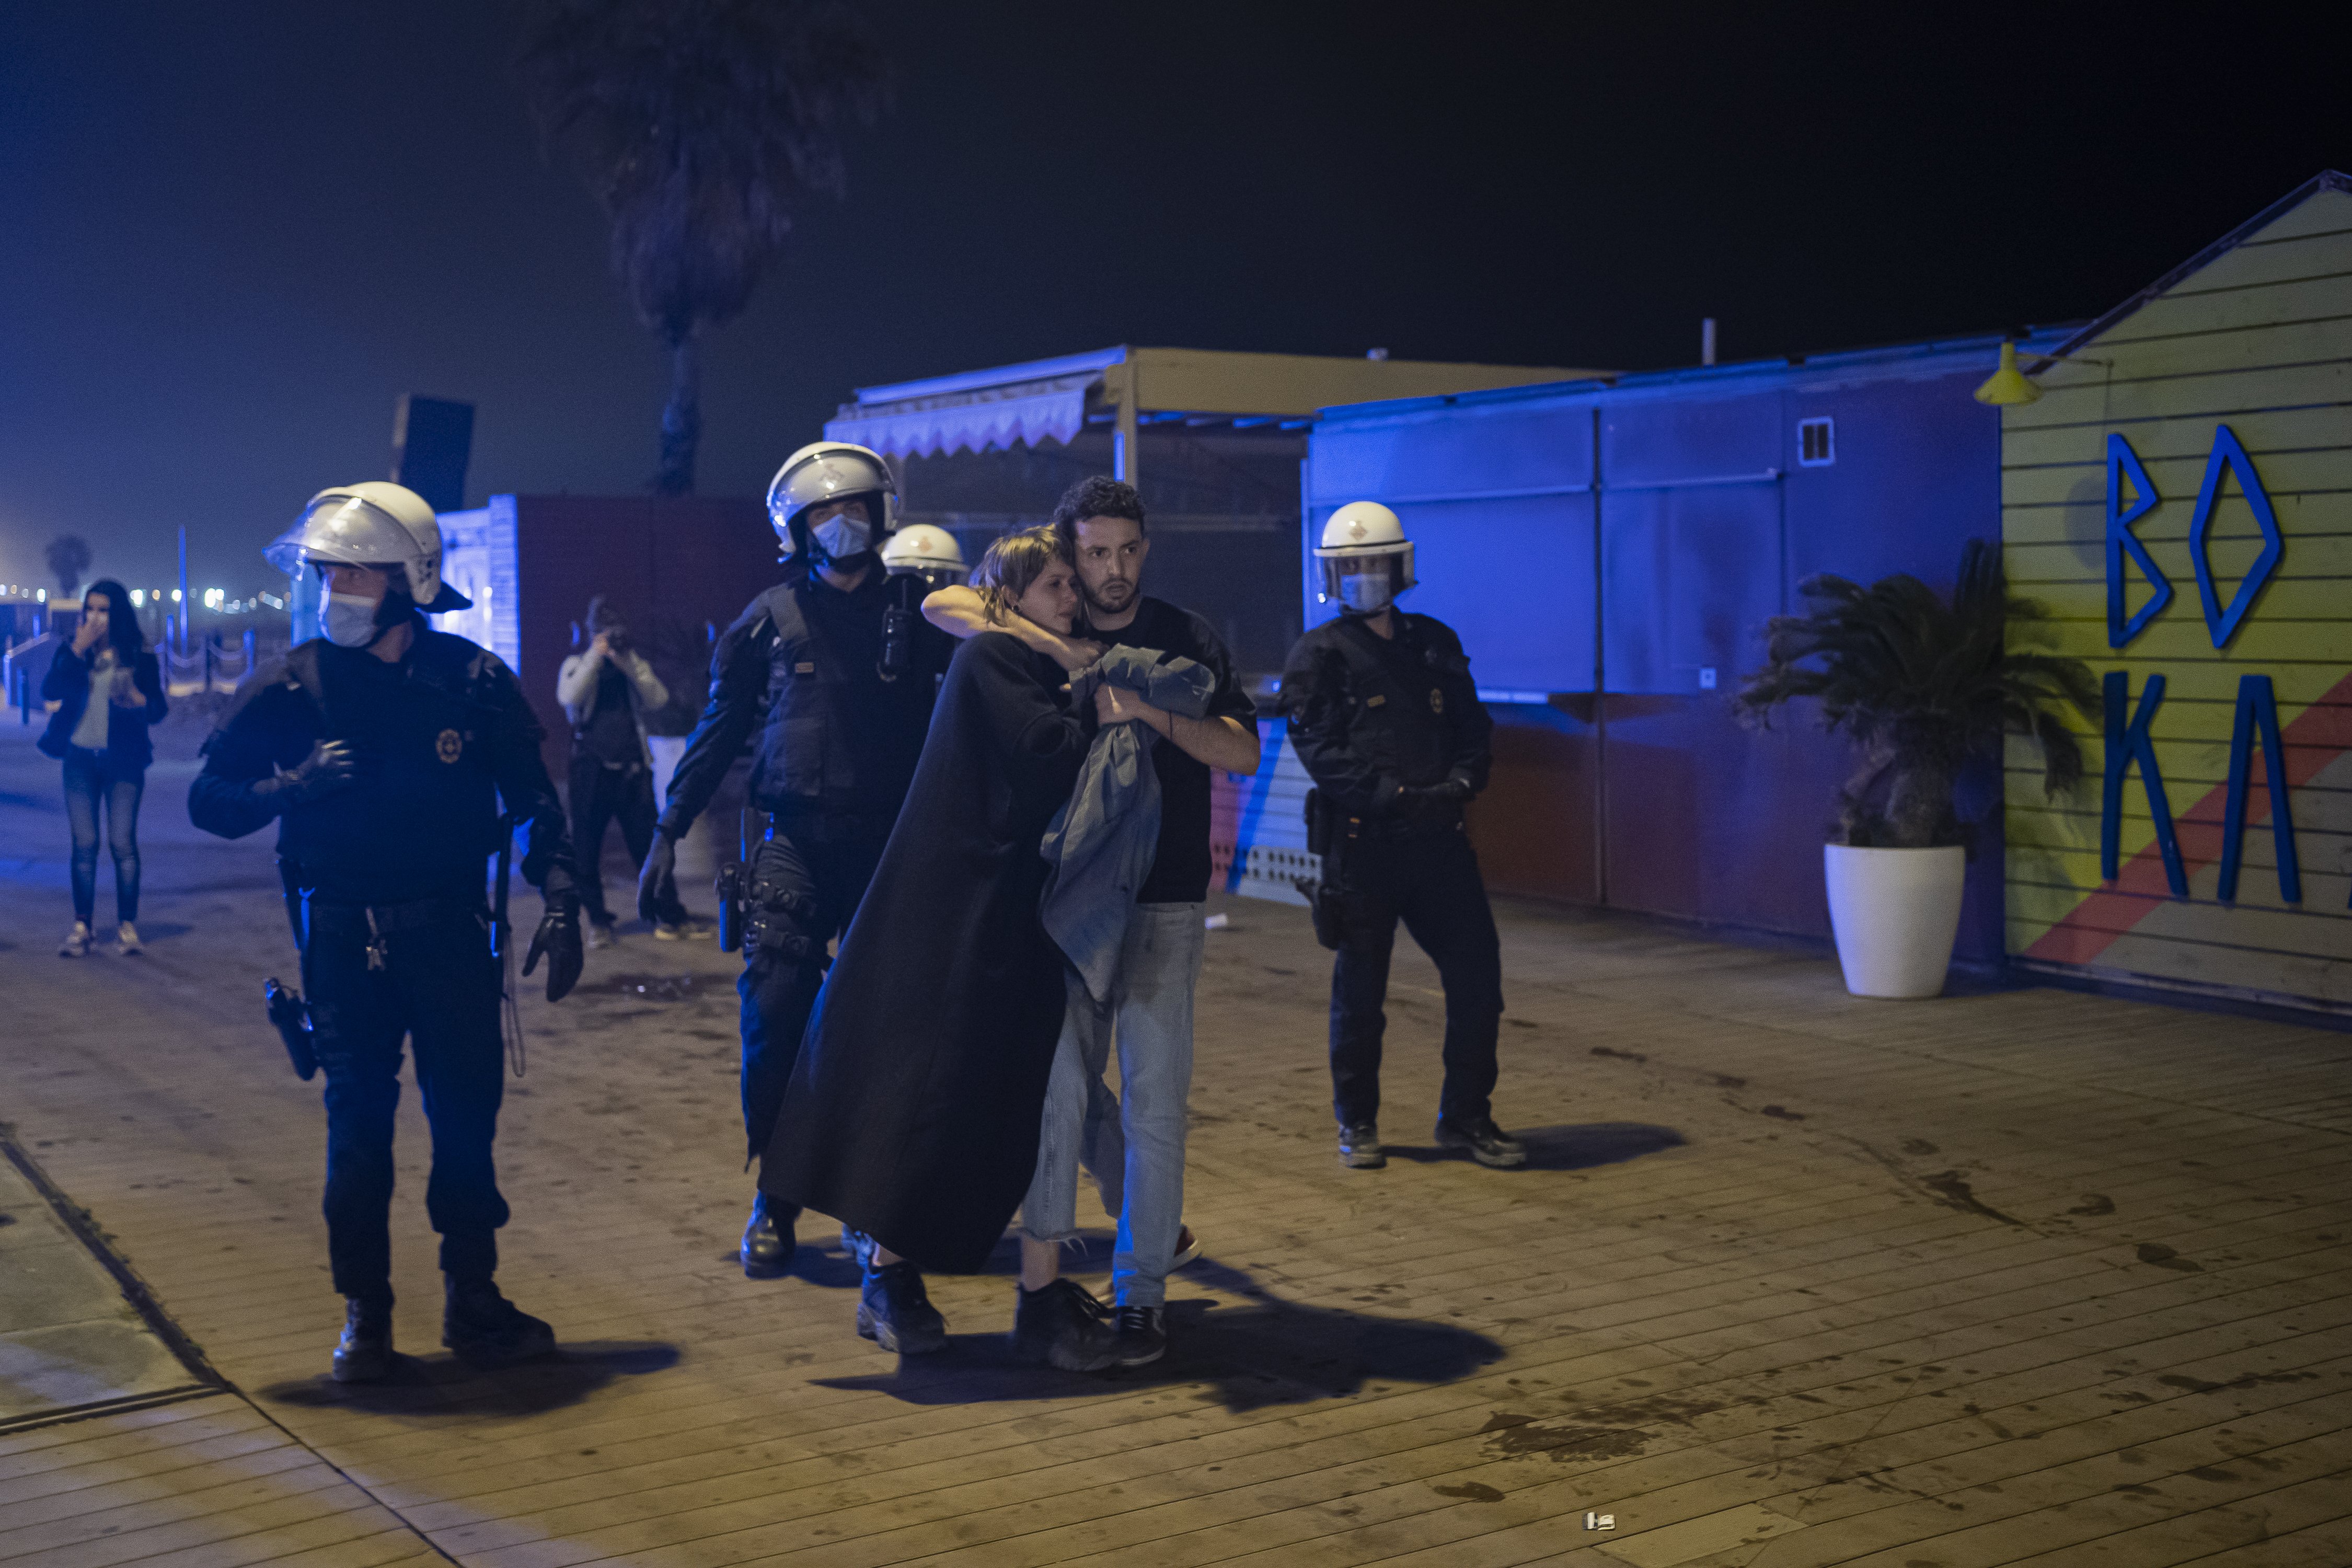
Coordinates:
<point>1896,912</point>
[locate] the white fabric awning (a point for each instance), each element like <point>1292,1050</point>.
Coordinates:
<point>978,420</point>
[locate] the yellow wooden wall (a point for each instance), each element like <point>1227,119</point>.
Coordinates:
<point>2260,339</point>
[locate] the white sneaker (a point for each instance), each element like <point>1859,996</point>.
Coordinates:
<point>601,934</point>
<point>126,940</point>
<point>663,932</point>
<point>76,941</point>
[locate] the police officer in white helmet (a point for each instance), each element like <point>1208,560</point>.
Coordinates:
<point>386,752</point>
<point>921,561</point>
<point>1387,721</point>
<point>835,726</point>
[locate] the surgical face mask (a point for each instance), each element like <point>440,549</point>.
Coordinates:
<point>1368,592</point>
<point>842,536</point>
<point>350,620</point>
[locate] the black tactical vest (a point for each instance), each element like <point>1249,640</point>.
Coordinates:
<point>1396,717</point>
<point>830,708</point>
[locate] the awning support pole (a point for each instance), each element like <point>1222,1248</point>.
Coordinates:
<point>1126,448</point>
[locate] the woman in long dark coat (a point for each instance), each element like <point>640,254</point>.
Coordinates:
<point>914,1108</point>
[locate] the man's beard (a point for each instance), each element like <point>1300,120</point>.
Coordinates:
<point>1124,586</point>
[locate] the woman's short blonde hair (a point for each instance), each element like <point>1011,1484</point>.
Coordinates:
<point>1011,565</point>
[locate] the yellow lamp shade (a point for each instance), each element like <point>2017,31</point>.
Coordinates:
<point>2007,385</point>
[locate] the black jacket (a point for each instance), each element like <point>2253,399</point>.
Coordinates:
<point>68,685</point>
<point>914,1110</point>
<point>798,675</point>
<point>1370,715</point>
<point>444,736</point>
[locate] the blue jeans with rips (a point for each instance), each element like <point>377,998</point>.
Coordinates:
<point>94,783</point>
<point>1133,1142</point>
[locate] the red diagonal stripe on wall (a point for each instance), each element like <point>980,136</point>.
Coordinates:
<point>2316,737</point>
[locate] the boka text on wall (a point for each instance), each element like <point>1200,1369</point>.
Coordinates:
<point>2179,499</point>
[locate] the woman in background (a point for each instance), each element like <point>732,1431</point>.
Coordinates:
<point>103,692</point>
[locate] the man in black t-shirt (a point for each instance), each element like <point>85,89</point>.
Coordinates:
<point>1139,1159</point>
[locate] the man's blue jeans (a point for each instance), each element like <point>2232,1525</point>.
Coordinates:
<point>1134,1143</point>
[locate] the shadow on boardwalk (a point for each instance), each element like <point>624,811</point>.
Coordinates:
<point>1578,1146</point>
<point>442,1385</point>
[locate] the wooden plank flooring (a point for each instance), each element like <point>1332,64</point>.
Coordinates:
<point>2015,1277</point>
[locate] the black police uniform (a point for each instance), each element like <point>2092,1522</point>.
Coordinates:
<point>838,738</point>
<point>390,867</point>
<point>1376,721</point>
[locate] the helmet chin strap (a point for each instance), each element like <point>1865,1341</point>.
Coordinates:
<point>392,610</point>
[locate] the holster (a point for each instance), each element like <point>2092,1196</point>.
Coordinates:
<point>729,889</point>
<point>287,1014</point>
<point>1327,897</point>
<point>291,1019</point>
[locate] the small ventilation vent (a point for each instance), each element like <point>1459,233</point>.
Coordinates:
<point>1816,443</point>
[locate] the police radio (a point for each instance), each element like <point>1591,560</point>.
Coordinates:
<point>898,642</point>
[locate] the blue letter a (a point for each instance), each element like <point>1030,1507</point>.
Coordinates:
<point>2123,464</point>
<point>2124,743</point>
<point>2258,711</point>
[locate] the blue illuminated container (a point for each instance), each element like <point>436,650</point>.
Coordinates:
<point>1609,551</point>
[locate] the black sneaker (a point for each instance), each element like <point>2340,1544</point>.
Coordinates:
<point>1487,1144</point>
<point>767,1240</point>
<point>1063,1325</point>
<point>484,1330</point>
<point>894,1311</point>
<point>1359,1147</point>
<point>364,1352</point>
<point>1143,1335</point>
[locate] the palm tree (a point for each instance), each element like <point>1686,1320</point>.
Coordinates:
<point>699,125</point>
<point>69,558</point>
<point>1922,685</point>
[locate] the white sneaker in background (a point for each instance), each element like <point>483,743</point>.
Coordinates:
<point>126,940</point>
<point>668,933</point>
<point>76,941</point>
<point>601,934</point>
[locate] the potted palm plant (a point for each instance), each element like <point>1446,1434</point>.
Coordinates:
<point>1922,685</point>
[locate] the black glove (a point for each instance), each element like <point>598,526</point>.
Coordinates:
<point>558,937</point>
<point>331,766</point>
<point>1451,791</point>
<point>658,880</point>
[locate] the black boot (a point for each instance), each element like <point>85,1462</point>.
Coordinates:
<point>767,1240</point>
<point>895,1313</point>
<point>364,1352</point>
<point>486,1330</point>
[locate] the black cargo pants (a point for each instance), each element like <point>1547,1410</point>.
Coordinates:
<point>802,885</point>
<point>439,988</point>
<point>1430,881</point>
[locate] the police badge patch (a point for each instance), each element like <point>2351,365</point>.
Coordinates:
<point>450,745</point>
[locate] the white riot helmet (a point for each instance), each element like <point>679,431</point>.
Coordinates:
<point>1365,558</point>
<point>833,470</point>
<point>922,550</point>
<point>372,524</point>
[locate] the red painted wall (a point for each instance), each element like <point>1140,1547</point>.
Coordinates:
<point>670,565</point>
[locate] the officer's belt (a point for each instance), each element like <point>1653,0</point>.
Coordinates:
<point>1423,824</point>
<point>383,920</point>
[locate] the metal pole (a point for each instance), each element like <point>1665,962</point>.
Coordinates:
<point>1125,446</point>
<point>1706,339</point>
<point>183,589</point>
<point>1600,686</point>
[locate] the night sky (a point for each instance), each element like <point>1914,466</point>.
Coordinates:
<point>234,234</point>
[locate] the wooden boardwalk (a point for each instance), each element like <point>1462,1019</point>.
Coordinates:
<point>2018,1276</point>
